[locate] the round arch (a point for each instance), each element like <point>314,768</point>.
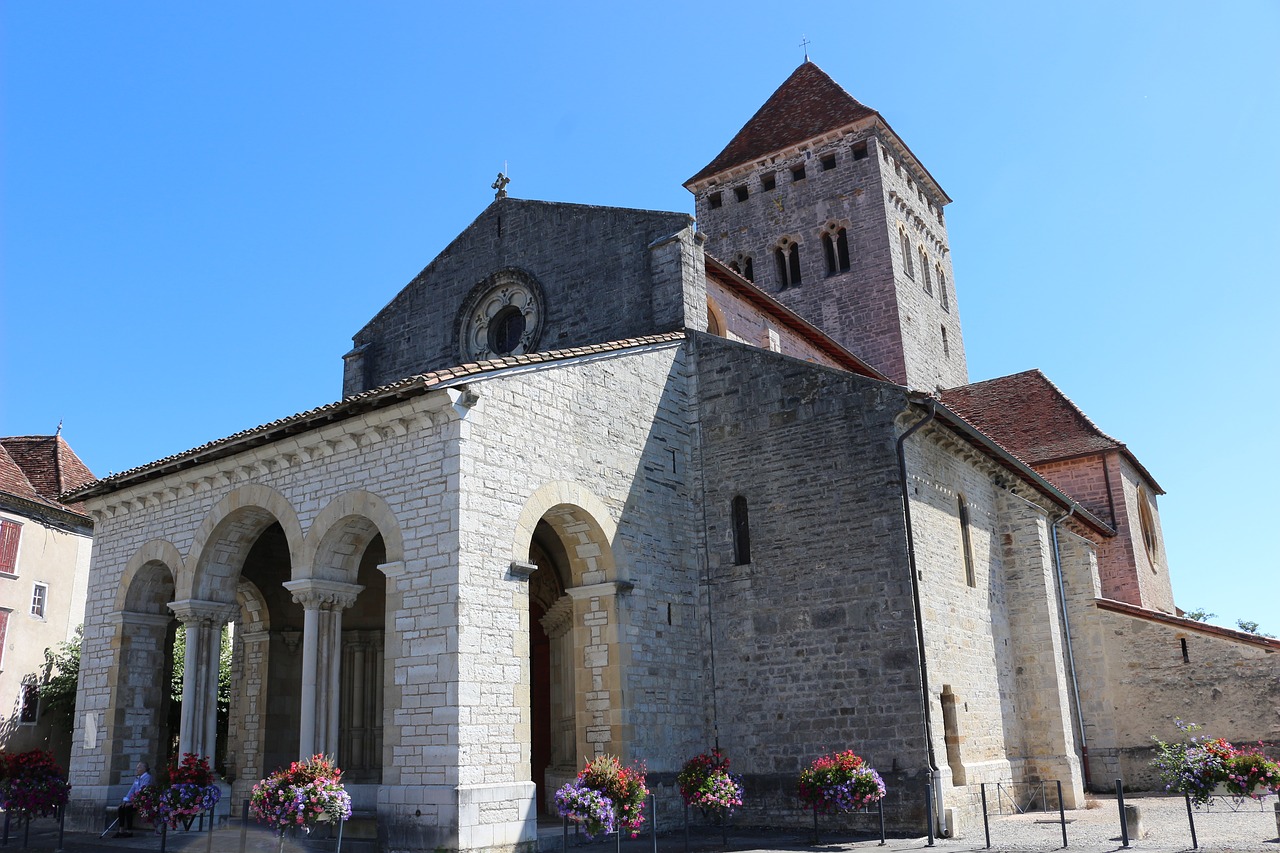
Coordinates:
<point>227,533</point>
<point>143,582</point>
<point>583,523</point>
<point>341,532</point>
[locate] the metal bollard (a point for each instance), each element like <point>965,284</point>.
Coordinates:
<point>686,828</point>
<point>6,829</point>
<point>164,837</point>
<point>815,824</point>
<point>341,824</point>
<point>1124,819</point>
<point>880,802</point>
<point>986,823</point>
<point>1062,814</point>
<point>653,820</point>
<point>62,825</point>
<point>1195,845</point>
<point>208,845</point>
<point>26,832</point>
<point>244,825</point>
<point>564,837</point>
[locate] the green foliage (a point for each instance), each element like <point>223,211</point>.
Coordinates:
<point>1251,628</point>
<point>1198,615</point>
<point>61,672</point>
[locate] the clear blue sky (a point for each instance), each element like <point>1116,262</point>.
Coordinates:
<point>202,203</point>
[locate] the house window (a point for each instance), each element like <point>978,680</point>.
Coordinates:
<point>828,162</point>
<point>924,271</point>
<point>797,173</point>
<point>768,182</point>
<point>966,539</point>
<point>30,711</point>
<point>906,252</point>
<point>715,200</point>
<point>835,246</point>
<point>787,257</point>
<point>10,532</point>
<point>860,151</point>
<point>39,600</point>
<point>741,532</point>
<point>740,193</point>
<point>942,289</point>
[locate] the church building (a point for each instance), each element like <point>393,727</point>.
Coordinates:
<point>606,480</point>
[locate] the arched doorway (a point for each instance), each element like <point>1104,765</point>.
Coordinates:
<point>552,752</point>
<point>144,713</point>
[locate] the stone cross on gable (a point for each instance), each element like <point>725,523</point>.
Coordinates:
<point>501,186</point>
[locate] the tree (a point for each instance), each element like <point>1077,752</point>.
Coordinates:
<point>1251,628</point>
<point>1198,615</point>
<point>61,672</point>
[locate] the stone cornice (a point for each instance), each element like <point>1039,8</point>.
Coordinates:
<point>195,610</point>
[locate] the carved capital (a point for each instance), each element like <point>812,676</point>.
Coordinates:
<point>559,617</point>
<point>316,594</point>
<point>193,610</point>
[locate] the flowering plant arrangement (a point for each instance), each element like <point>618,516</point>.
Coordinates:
<point>705,782</point>
<point>308,793</point>
<point>840,782</point>
<point>191,792</point>
<point>32,784</point>
<point>606,797</point>
<point>1199,767</point>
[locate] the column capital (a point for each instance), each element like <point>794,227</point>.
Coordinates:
<point>194,610</point>
<point>318,594</point>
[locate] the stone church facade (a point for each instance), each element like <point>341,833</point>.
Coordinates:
<point>610,480</point>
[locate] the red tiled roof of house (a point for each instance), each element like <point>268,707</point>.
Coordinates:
<point>808,104</point>
<point>1031,418</point>
<point>39,468</point>
<point>374,398</point>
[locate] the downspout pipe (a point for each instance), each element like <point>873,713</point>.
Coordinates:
<point>1071,660</point>
<point>935,778</point>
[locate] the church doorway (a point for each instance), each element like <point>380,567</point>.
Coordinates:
<point>552,718</point>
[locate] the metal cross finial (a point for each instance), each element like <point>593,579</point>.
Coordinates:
<point>804,43</point>
<point>501,186</point>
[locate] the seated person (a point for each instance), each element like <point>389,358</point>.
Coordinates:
<point>127,808</point>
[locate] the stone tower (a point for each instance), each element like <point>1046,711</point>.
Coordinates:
<point>821,204</point>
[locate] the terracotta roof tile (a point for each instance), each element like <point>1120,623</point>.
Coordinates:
<point>40,467</point>
<point>808,104</point>
<point>1031,418</point>
<point>347,407</point>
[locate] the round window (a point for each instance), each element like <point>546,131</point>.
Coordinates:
<point>505,330</point>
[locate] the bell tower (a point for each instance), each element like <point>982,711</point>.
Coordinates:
<point>819,202</point>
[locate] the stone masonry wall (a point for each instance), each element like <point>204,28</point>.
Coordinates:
<point>747,324</point>
<point>813,641</point>
<point>593,264</point>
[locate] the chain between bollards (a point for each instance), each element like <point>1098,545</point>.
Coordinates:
<point>1195,845</point>
<point>1124,819</point>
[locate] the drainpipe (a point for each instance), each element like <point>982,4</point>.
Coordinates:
<point>935,778</point>
<point>1071,660</point>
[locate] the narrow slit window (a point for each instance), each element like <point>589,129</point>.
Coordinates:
<point>946,346</point>
<point>1186,658</point>
<point>794,264</point>
<point>741,532</point>
<point>966,542</point>
<point>924,272</point>
<point>842,249</point>
<point>942,289</point>
<point>906,253</point>
<point>829,251</point>
<point>748,270</point>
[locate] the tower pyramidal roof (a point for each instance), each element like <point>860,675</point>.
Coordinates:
<point>808,104</point>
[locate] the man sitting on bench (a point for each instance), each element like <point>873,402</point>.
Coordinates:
<point>127,808</point>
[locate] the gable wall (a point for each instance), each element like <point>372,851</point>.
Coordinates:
<point>747,324</point>
<point>594,266</point>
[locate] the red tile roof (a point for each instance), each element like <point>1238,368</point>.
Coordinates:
<point>808,104</point>
<point>1031,418</point>
<point>374,398</point>
<point>39,468</point>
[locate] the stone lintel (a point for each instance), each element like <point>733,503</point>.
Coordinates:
<point>597,590</point>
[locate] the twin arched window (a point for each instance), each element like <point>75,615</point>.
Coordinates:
<point>835,245</point>
<point>787,258</point>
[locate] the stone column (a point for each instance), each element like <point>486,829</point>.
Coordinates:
<point>323,602</point>
<point>204,621</point>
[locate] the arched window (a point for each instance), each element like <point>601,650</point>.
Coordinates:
<point>906,252</point>
<point>835,246</point>
<point>942,289</point>
<point>924,271</point>
<point>741,532</point>
<point>787,257</point>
